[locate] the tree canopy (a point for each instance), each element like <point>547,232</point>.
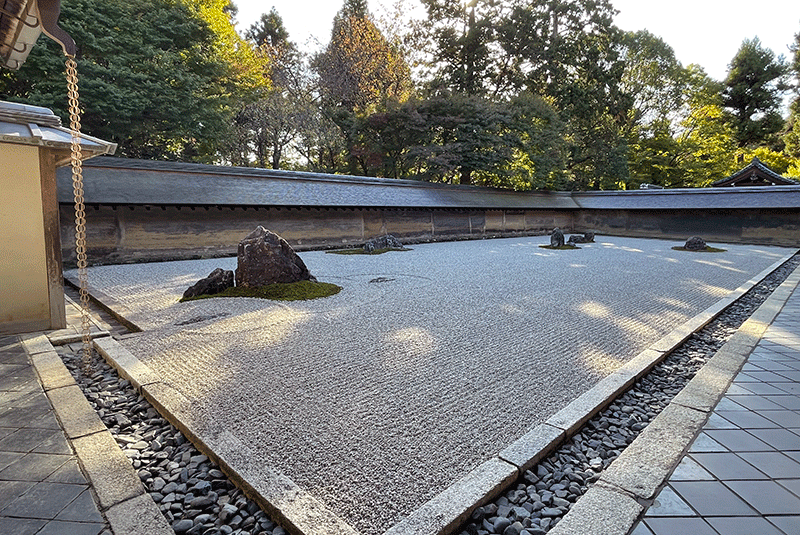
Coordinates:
<point>155,77</point>
<point>752,94</point>
<point>498,93</point>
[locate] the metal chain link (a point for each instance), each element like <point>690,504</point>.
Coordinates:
<point>80,211</point>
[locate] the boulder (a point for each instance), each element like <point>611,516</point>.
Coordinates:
<point>218,281</point>
<point>382,242</point>
<point>586,237</point>
<point>557,238</point>
<point>695,243</point>
<point>266,258</point>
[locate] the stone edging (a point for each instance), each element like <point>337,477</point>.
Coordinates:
<point>296,509</point>
<point>446,512</point>
<point>614,504</point>
<point>123,499</point>
<point>117,310</point>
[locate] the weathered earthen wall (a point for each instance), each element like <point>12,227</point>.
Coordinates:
<point>138,233</point>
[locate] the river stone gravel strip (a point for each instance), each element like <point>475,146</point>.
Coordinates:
<point>545,493</point>
<point>197,498</point>
<point>376,399</point>
<point>192,493</point>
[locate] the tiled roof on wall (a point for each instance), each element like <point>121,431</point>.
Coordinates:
<point>120,181</point>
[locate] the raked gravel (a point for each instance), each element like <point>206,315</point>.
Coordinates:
<point>546,492</point>
<point>376,399</point>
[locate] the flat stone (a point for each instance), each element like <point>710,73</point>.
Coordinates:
<point>641,363</point>
<point>453,506</point>
<point>581,410</point>
<point>647,462</point>
<point>51,370</point>
<point>533,446</point>
<point>77,417</point>
<point>36,343</point>
<point>600,510</point>
<point>111,474</point>
<point>125,363</point>
<point>676,337</point>
<point>705,389</point>
<point>299,508</point>
<point>138,516</point>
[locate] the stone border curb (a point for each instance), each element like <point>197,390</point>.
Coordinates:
<point>295,509</point>
<point>435,518</point>
<point>118,311</point>
<point>443,514</point>
<point>71,334</point>
<point>127,506</point>
<point>646,464</point>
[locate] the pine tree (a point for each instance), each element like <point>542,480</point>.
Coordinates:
<point>752,95</point>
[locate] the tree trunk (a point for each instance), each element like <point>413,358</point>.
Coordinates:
<point>466,176</point>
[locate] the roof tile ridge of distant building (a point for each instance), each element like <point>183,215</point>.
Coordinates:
<point>695,191</point>
<point>260,172</point>
<point>755,163</point>
<point>761,165</point>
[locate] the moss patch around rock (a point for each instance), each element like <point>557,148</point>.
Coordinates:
<point>362,251</point>
<point>708,249</point>
<point>560,248</point>
<point>292,291</point>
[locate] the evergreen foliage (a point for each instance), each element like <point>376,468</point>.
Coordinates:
<point>156,77</point>
<point>498,93</point>
<point>752,94</point>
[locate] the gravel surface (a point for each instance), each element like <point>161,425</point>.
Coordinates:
<point>378,398</point>
<point>192,493</point>
<point>545,493</point>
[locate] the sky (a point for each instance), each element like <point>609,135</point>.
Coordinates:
<point>705,32</point>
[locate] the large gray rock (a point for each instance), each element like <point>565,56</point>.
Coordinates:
<point>382,242</point>
<point>218,281</point>
<point>587,237</point>
<point>695,243</point>
<point>266,258</point>
<point>557,238</point>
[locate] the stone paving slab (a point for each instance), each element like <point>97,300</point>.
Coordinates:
<point>728,471</point>
<point>377,399</point>
<point>41,487</point>
<point>110,475</point>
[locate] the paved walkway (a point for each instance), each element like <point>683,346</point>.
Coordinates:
<point>741,475</point>
<point>42,489</point>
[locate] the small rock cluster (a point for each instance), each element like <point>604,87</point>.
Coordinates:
<point>586,237</point>
<point>218,281</point>
<point>557,238</point>
<point>545,493</point>
<point>194,496</point>
<point>695,243</point>
<point>383,242</point>
<point>263,258</point>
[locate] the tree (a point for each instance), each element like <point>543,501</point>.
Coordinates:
<point>360,70</point>
<point>463,40</point>
<point>791,137</point>
<point>265,127</point>
<point>653,77</point>
<point>268,30</point>
<point>359,73</point>
<point>657,83</point>
<point>706,140</point>
<point>568,51</point>
<point>752,94</point>
<point>155,77</point>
